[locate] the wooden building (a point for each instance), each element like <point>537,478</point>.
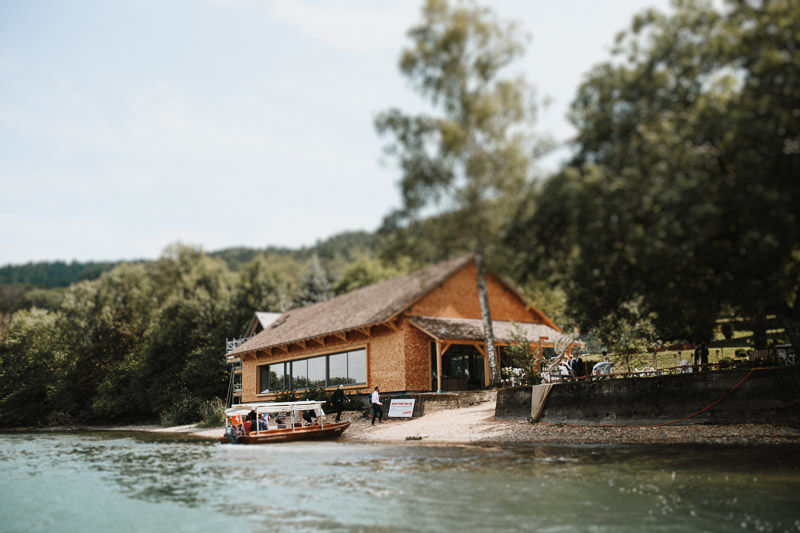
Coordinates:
<point>418,332</point>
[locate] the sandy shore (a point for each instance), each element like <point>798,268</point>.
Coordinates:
<point>476,425</point>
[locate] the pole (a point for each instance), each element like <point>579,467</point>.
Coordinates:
<point>438,367</point>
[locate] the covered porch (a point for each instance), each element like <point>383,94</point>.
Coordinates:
<point>459,360</point>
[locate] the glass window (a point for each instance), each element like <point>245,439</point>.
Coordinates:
<point>270,378</point>
<point>357,366</point>
<point>316,372</point>
<point>344,368</point>
<point>300,374</point>
<point>337,369</point>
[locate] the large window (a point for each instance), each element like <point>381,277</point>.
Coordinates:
<point>345,368</point>
<point>300,374</point>
<point>316,372</point>
<point>272,378</point>
<point>357,366</point>
<point>337,369</point>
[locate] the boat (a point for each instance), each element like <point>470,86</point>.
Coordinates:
<point>278,422</point>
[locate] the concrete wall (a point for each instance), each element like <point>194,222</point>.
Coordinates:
<point>770,396</point>
<point>429,403</point>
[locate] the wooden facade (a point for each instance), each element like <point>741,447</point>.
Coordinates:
<point>433,310</point>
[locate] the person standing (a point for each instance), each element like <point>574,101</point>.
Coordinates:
<point>376,406</point>
<point>698,349</point>
<point>577,366</point>
<point>704,356</point>
<point>337,400</point>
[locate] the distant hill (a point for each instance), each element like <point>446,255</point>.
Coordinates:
<point>54,274</point>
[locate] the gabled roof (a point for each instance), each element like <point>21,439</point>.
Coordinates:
<point>260,321</point>
<point>371,305</point>
<point>471,329</point>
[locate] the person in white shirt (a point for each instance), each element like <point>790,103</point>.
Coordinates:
<point>376,406</point>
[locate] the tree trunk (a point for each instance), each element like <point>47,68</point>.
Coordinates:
<point>759,329</point>
<point>488,332</point>
<point>791,323</point>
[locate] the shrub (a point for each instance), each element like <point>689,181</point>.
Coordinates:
<point>212,413</point>
<point>185,410</point>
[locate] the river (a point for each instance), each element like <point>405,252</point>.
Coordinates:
<point>141,482</point>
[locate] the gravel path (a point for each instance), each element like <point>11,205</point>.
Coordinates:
<point>477,425</point>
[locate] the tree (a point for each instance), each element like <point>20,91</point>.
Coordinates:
<point>464,162</point>
<point>681,194</point>
<point>367,270</point>
<point>30,362</point>
<point>264,284</point>
<point>183,346</point>
<point>315,286</point>
<point>101,325</point>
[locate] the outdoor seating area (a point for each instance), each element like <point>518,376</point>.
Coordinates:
<point>606,370</point>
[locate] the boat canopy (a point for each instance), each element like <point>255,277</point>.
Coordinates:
<point>275,407</point>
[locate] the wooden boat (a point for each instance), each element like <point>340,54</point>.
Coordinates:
<point>278,422</point>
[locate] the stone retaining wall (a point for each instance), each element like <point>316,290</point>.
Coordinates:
<point>428,402</point>
<point>767,396</point>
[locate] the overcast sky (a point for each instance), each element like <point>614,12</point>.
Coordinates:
<point>126,125</point>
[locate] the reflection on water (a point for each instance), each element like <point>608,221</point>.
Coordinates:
<point>96,482</point>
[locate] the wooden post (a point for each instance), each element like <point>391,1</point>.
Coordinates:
<point>438,367</point>
<point>540,354</point>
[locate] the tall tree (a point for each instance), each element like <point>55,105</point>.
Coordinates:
<point>682,194</point>
<point>315,286</point>
<point>30,368</point>
<point>264,284</point>
<point>462,162</point>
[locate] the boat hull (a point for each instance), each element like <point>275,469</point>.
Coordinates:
<point>329,431</point>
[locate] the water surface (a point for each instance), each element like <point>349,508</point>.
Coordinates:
<point>139,482</point>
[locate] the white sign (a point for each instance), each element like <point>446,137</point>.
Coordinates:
<point>401,408</point>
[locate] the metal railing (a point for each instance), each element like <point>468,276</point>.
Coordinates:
<point>232,344</point>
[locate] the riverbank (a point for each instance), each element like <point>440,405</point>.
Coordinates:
<point>476,425</point>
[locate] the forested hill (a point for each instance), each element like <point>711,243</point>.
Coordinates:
<point>54,274</point>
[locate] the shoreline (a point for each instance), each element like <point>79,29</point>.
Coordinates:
<point>476,425</point>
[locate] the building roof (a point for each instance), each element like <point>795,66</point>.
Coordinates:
<point>471,329</point>
<point>367,306</point>
<point>260,321</point>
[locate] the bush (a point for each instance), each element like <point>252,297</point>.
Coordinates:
<point>185,410</point>
<point>212,413</point>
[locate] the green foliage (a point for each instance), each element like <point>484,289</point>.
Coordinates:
<point>146,339</point>
<point>289,395</point>
<point>629,332</point>
<point>681,195</point>
<point>181,411</point>
<point>524,369</point>
<point>30,362</point>
<point>462,162</point>
<point>367,270</point>
<point>212,413</point>
<point>315,286</point>
<point>51,274</point>
<point>266,284</point>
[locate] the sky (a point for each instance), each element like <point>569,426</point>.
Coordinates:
<point>128,125</point>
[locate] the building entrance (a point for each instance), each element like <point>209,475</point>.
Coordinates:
<point>462,368</point>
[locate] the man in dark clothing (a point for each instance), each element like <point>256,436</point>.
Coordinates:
<point>337,400</point>
<point>578,367</point>
<point>377,411</point>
